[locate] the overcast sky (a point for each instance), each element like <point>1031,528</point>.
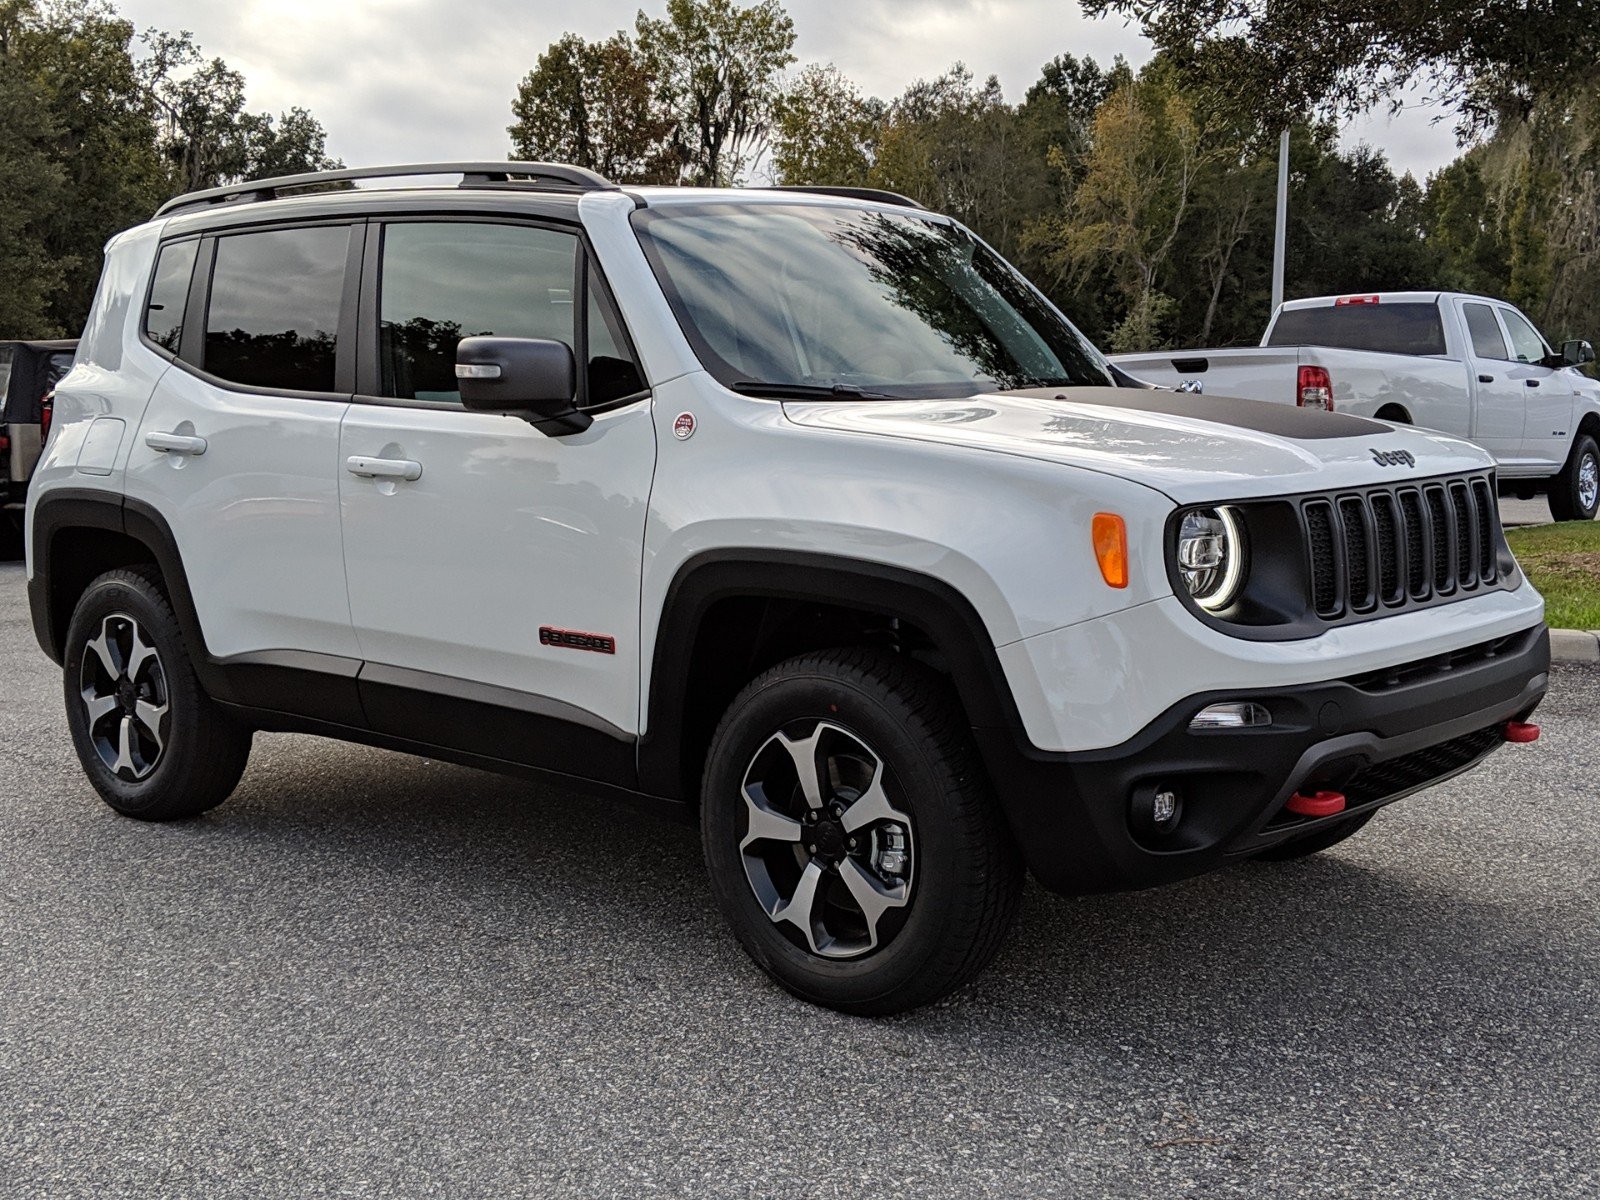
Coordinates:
<point>414,80</point>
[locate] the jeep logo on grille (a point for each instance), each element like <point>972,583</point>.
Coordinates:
<point>1393,458</point>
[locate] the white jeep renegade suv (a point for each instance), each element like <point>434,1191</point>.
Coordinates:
<point>801,513</point>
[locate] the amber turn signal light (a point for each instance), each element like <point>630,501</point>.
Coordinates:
<point>1111,548</point>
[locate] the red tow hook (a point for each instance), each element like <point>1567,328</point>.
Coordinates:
<point>1318,804</point>
<point>1521,732</point>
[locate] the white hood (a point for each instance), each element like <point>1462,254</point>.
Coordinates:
<point>1193,448</point>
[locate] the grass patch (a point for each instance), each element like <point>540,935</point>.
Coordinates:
<point>1563,560</point>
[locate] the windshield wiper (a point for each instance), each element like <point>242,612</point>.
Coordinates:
<point>805,391</point>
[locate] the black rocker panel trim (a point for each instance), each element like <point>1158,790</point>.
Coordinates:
<point>930,604</point>
<point>495,722</point>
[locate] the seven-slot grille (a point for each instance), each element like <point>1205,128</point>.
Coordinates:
<point>1401,545</point>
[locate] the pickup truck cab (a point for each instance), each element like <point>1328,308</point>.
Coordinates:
<point>799,514</point>
<point>1466,365</point>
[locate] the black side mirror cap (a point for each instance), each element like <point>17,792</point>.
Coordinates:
<point>532,378</point>
<point>1576,353</point>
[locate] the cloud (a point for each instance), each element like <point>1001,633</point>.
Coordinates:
<point>411,80</point>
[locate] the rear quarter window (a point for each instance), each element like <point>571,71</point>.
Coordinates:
<point>1415,329</point>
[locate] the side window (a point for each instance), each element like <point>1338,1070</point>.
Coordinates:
<point>1487,340</point>
<point>273,319</point>
<point>169,293</point>
<point>444,281</point>
<point>1526,344</point>
<point>613,373</point>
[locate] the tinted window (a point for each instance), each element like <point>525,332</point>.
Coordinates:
<point>169,293</point>
<point>1487,340</point>
<point>1385,328</point>
<point>1526,344</point>
<point>274,313</point>
<point>613,373</point>
<point>447,281</point>
<point>812,296</point>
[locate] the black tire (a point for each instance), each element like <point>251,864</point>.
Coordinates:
<point>1575,493</point>
<point>1315,843</point>
<point>197,753</point>
<point>11,539</point>
<point>964,880</point>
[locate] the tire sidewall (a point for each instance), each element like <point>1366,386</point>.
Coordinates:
<point>914,786</point>
<point>1585,447</point>
<point>129,594</point>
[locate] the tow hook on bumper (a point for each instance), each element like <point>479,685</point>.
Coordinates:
<point>1520,733</point>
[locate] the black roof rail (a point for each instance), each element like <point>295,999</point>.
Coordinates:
<point>550,176</point>
<point>851,193</point>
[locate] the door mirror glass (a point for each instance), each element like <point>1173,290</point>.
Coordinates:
<point>532,378</point>
<point>1576,353</point>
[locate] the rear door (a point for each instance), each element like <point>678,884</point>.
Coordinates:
<point>238,448</point>
<point>494,572</point>
<point>1548,394</point>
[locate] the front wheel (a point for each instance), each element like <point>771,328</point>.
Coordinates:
<point>851,839</point>
<point>1575,493</point>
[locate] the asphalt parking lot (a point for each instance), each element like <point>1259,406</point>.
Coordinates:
<point>368,975</point>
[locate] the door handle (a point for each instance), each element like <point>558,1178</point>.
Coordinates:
<point>175,443</point>
<point>383,468</point>
<point>1485,378</point>
<point>1531,382</point>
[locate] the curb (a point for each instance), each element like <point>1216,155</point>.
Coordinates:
<point>1574,646</point>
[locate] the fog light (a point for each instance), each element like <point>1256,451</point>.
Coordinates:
<point>1244,714</point>
<point>1156,810</point>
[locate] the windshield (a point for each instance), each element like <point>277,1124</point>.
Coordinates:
<point>851,301</point>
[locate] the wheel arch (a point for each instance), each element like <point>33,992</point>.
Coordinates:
<point>730,614</point>
<point>78,535</point>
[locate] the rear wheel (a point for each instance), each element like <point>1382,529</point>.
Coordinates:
<point>1575,493</point>
<point>851,839</point>
<point>1315,843</point>
<point>152,743</point>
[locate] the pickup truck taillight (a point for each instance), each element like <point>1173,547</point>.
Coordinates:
<point>1316,388</point>
<point>47,412</point>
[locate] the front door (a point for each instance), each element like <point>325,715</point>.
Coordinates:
<point>494,571</point>
<point>1548,392</point>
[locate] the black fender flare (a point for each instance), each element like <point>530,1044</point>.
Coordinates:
<point>932,605</point>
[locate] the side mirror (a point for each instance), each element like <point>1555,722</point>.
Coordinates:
<point>1576,353</point>
<point>531,378</point>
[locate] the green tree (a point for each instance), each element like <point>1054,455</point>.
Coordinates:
<point>960,148</point>
<point>717,68</point>
<point>595,105</point>
<point>824,130</point>
<point>32,185</point>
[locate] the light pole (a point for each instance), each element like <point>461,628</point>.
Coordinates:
<point>1280,246</point>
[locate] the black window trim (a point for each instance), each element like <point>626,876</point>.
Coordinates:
<point>150,291</point>
<point>191,346</point>
<point>368,376</point>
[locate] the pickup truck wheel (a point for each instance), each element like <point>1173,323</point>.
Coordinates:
<point>850,836</point>
<point>1315,843</point>
<point>1575,493</point>
<point>152,743</point>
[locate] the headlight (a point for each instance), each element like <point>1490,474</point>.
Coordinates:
<point>1211,554</point>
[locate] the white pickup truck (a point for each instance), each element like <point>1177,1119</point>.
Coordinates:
<point>1466,365</point>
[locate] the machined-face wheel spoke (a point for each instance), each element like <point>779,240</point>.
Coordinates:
<point>124,760</point>
<point>872,806</point>
<point>872,896</point>
<point>98,706</point>
<point>138,652</point>
<point>807,765</point>
<point>799,910</point>
<point>765,823</point>
<point>150,716</point>
<point>102,648</point>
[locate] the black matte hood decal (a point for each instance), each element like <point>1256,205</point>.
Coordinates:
<point>1277,420</point>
